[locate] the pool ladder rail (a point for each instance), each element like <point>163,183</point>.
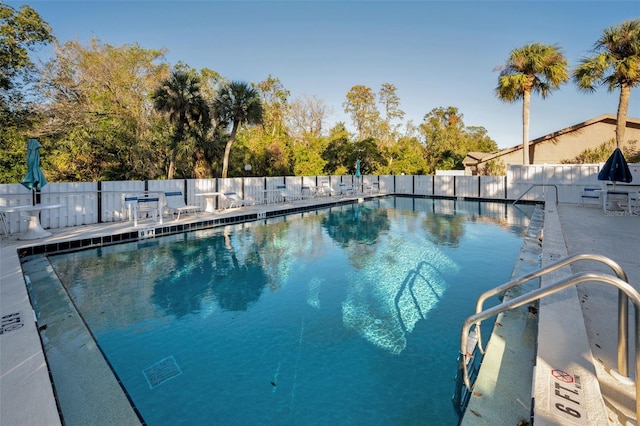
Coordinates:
<point>471,337</point>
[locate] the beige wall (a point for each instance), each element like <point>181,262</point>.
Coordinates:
<point>567,146</point>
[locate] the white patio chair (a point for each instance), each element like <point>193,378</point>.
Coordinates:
<point>308,190</point>
<point>233,199</point>
<point>176,204</point>
<point>5,226</point>
<point>129,208</point>
<point>286,193</point>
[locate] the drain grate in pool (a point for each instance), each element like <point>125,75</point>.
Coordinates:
<point>161,371</point>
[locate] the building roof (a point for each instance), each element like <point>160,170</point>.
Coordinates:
<point>479,157</point>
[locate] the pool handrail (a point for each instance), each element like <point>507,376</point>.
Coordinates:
<point>623,303</point>
<point>541,292</point>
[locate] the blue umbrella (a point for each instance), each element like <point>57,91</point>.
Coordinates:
<point>616,169</point>
<point>34,180</point>
<point>358,174</point>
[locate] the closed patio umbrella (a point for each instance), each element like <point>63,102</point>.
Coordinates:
<point>358,174</point>
<point>34,180</point>
<point>616,169</point>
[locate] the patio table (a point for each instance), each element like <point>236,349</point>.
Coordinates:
<point>34,229</point>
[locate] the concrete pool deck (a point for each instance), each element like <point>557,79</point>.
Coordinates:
<point>26,394</point>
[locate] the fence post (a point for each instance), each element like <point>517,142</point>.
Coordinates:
<point>99,201</point>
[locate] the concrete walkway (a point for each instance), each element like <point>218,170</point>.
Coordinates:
<point>589,230</point>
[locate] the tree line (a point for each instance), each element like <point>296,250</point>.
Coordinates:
<point>104,112</point>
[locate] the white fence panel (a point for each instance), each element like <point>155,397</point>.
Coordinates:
<point>466,186</point>
<point>112,196</point>
<point>423,185</point>
<point>444,186</point>
<point>404,184</point>
<point>12,195</point>
<point>80,200</point>
<point>386,184</point>
<point>521,179</point>
<point>492,187</point>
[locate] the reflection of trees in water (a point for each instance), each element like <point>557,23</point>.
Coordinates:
<point>445,229</point>
<point>209,267</point>
<point>357,223</point>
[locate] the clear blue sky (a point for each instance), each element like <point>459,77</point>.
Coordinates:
<point>437,53</point>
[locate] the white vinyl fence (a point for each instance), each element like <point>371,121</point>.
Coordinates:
<point>98,202</point>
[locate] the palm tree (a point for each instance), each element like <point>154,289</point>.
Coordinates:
<point>180,97</point>
<point>617,52</point>
<point>537,68</point>
<point>236,103</point>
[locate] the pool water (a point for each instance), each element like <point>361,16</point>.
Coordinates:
<point>349,315</point>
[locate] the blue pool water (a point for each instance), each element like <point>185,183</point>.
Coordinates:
<point>349,315</point>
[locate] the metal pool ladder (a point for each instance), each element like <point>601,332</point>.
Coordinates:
<point>471,340</point>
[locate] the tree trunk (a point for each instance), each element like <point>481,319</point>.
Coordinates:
<point>227,149</point>
<point>526,101</point>
<point>172,167</point>
<point>623,107</point>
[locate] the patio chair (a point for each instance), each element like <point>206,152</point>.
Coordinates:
<point>308,190</point>
<point>373,186</point>
<point>233,199</point>
<point>326,189</point>
<point>176,204</point>
<point>5,226</point>
<point>286,193</point>
<point>344,189</point>
<point>129,208</point>
<point>591,194</point>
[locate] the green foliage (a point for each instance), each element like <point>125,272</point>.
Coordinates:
<point>361,105</point>
<point>181,99</point>
<point>614,64</point>
<point>448,141</point>
<point>602,152</point>
<point>534,67</point>
<point>236,104</point>
<point>21,32</point>
<point>493,168</point>
<point>595,155</point>
<point>616,59</point>
<point>100,125</point>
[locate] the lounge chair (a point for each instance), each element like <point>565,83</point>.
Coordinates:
<point>373,186</point>
<point>308,190</point>
<point>176,204</point>
<point>135,206</point>
<point>286,193</point>
<point>233,199</point>
<point>344,189</point>
<point>326,189</point>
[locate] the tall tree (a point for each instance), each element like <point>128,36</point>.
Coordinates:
<point>306,117</point>
<point>390,102</point>
<point>99,121</point>
<point>21,32</point>
<point>236,103</point>
<point>534,67</point>
<point>447,140</point>
<point>180,97</point>
<point>361,105</point>
<point>615,64</point>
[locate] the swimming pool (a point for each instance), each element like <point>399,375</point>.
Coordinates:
<point>348,315</point>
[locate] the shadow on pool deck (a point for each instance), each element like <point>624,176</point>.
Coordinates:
<point>26,395</point>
